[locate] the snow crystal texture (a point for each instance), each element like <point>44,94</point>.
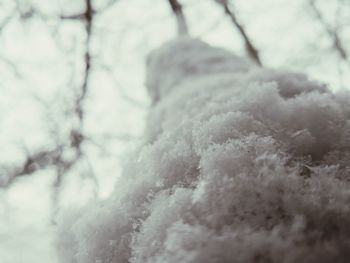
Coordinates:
<point>238,164</point>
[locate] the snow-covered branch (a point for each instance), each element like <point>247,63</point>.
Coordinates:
<point>238,162</point>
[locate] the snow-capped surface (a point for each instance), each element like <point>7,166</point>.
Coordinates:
<point>238,164</point>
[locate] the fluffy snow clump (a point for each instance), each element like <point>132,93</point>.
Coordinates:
<point>239,164</point>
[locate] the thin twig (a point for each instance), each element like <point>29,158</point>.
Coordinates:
<point>332,32</point>
<point>121,90</point>
<point>252,51</point>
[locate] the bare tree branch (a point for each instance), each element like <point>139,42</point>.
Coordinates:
<point>177,9</point>
<point>43,159</point>
<point>332,32</point>
<point>72,17</point>
<point>252,51</point>
<point>36,161</point>
<point>87,19</point>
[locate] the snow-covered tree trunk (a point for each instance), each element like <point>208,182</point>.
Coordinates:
<point>238,164</point>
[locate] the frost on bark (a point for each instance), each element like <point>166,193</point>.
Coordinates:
<point>238,164</point>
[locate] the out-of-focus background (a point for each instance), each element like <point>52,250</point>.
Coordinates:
<point>73,101</point>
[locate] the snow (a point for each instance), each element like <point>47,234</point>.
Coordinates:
<point>238,164</point>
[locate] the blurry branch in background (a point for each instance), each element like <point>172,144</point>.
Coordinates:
<point>5,21</point>
<point>86,17</point>
<point>67,153</point>
<point>182,26</point>
<point>332,32</point>
<point>12,66</point>
<point>121,90</point>
<point>33,163</point>
<point>77,136</point>
<point>252,51</point>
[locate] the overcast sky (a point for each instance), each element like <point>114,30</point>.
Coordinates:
<point>41,65</point>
